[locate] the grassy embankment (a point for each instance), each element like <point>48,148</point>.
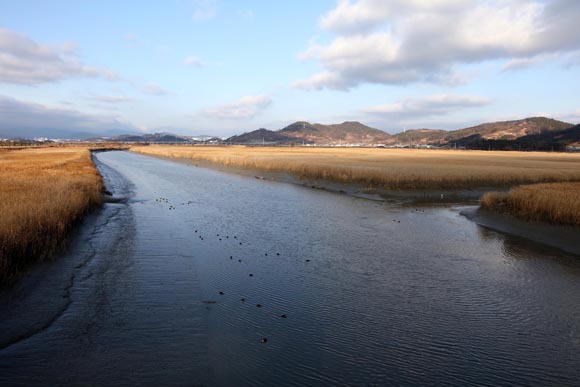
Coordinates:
<point>43,192</point>
<point>557,202</point>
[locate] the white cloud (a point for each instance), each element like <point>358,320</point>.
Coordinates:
<point>204,9</point>
<point>365,15</point>
<point>404,41</point>
<point>246,107</point>
<point>21,118</point>
<point>24,61</point>
<point>434,105</point>
<point>154,89</point>
<point>193,61</point>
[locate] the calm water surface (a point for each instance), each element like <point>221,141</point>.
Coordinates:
<point>373,295</point>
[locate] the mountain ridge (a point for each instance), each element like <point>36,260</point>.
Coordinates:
<point>305,132</point>
<point>532,133</point>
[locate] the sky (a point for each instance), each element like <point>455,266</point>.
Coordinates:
<point>222,67</point>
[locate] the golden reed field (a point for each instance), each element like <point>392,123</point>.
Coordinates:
<point>43,192</point>
<point>556,202</point>
<point>389,168</point>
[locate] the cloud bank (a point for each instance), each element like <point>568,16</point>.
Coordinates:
<point>26,119</point>
<point>24,61</point>
<point>406,41</point>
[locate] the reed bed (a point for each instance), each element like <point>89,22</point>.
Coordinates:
<point>43,192</point>
<point>557,203</point>
<point>388,168</point>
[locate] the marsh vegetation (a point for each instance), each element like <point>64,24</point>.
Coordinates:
<point>389,168</point>
<point>557,203</point>
<point>43,192</point>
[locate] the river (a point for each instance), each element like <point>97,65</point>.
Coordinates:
<point>195,277</point>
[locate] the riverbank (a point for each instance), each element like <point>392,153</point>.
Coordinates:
<point>44,192</point>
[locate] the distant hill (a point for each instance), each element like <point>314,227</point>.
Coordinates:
<point>535,133</point>
<point>511,130</point>
<point>500,134</point>
<point>351,132</point>
<point>419,136</point>
<point>258,137</point>
<point>568,136</point>
<point>158,138</point>
<point>555,140</point>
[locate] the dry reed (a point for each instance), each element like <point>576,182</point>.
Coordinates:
<point>557,203</point>
<point>43,192</point>
<point>389,168</point>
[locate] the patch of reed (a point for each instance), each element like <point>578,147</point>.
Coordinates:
<point>557,203</point>
<point>43,192</point>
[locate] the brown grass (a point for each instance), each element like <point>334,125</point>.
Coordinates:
<point>43,192</point>
<point>557,203</point>
<point>389,168</point>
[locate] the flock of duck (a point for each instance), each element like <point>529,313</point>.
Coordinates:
<point>231,257</point>
<point>235,238</point>
<point>219,237</point>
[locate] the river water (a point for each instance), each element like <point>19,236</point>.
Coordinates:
<point>162,287</point>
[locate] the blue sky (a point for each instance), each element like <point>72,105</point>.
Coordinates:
<point>223,67</point>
